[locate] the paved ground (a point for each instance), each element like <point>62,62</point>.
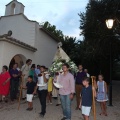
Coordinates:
<point>10,112</point>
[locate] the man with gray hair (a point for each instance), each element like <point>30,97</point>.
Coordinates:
<point>25,73</point>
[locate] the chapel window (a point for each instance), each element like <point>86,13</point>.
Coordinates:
<point>13,9</point>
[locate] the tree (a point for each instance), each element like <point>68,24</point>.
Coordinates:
<point>97,38</point>
<point>70,44</point>
<point>52,29</point>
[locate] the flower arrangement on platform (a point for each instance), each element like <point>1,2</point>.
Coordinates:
<point>57,66</point>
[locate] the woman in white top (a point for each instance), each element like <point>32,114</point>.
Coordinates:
<point>42,89</point>
<point>86,71</point>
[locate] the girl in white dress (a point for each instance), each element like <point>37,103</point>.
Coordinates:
<point>102,94</point>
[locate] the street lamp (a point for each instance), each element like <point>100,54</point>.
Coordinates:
<point>110,23</point>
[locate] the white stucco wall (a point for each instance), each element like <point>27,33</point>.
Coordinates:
<point>30,33</point>
<point>8,51</point>
<point>22,29</point>
<point>46,46</point>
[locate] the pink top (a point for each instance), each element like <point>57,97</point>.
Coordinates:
<point>68,83</point>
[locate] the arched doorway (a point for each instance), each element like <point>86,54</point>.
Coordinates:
<point>20,59</point>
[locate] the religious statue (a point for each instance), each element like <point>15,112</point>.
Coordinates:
<point>59,44</point>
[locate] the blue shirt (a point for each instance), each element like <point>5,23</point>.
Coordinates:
<point>14,71</point>
<point>87,96</point>
<point>37,71</point>
<point>80,76</point>
<point>30,87</point>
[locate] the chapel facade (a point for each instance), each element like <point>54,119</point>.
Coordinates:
<point>28,38</point>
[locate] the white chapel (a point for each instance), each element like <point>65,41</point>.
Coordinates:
<point>27,38</point>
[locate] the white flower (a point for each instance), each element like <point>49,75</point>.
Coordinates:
<point>73,65</point>
<point>57,65</point>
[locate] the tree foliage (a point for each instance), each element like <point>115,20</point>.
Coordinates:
<point>94,51</point>
<point>97,37</point>
<point>70,44</point>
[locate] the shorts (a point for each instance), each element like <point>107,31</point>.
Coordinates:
<point>29,97</point>
<point>86,110</point>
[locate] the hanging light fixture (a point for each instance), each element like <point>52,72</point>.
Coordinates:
<point>109,23</point>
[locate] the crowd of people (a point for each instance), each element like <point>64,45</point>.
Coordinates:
<point>36,80</point>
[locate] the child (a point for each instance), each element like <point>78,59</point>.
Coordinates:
<point>32,73</point>
<point>30,86</point>
<point>86,98</point>
<point>50,88</point>
<point>102,94</point>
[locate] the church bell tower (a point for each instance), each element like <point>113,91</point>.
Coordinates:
<point>14,7</point>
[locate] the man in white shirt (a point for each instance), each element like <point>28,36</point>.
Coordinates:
<point>67,91</point>
<point>25,73</point>
<point>43,89</point>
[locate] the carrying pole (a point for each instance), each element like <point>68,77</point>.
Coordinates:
<point>93,99</point>
<point>22,77</point>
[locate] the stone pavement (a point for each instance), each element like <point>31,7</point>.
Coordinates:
<point>10,112</point>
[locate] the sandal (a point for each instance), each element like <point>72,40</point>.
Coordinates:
<point>100,113</point>
<point>106,114</point>
<point>30,109</point>
<point>6,101</point>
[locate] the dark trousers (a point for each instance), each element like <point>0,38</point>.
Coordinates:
<point>42,96</point>
<point>14,89</point>
<point>78,93</point>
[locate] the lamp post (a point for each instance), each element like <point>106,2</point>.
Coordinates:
<point>110,23</point>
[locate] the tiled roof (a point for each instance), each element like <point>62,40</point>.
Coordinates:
<point>14,1</point>
<point>19,43</point>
